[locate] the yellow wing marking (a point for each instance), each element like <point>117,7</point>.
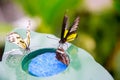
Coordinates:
<point>65,33</point>
<point>71,37</point>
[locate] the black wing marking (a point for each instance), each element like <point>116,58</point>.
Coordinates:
<point>64,27</point>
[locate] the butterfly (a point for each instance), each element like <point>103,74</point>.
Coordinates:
<point>66,36</point>
<point>15,38</point>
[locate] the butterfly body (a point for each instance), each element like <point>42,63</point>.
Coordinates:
<point>66,36</point>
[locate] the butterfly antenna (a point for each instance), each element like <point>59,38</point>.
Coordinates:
<point>29,24</point>
<point>51,38</point>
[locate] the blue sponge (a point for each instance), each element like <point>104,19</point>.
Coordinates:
<point>45,65</point>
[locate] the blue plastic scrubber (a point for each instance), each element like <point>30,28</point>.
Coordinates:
<point>45,65</point>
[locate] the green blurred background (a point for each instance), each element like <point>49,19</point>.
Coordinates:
<point>99,28</point>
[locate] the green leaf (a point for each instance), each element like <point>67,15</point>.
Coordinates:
<point>82,65</point>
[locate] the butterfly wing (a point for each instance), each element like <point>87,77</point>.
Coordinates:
<point>64,28</point>
<point>27,39</point>
<point>71,33</point>
<point>16,39</point>
<point>62,56</point>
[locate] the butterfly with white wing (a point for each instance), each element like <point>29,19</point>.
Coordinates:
<point>66,36</point>
<point>15,38</point>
